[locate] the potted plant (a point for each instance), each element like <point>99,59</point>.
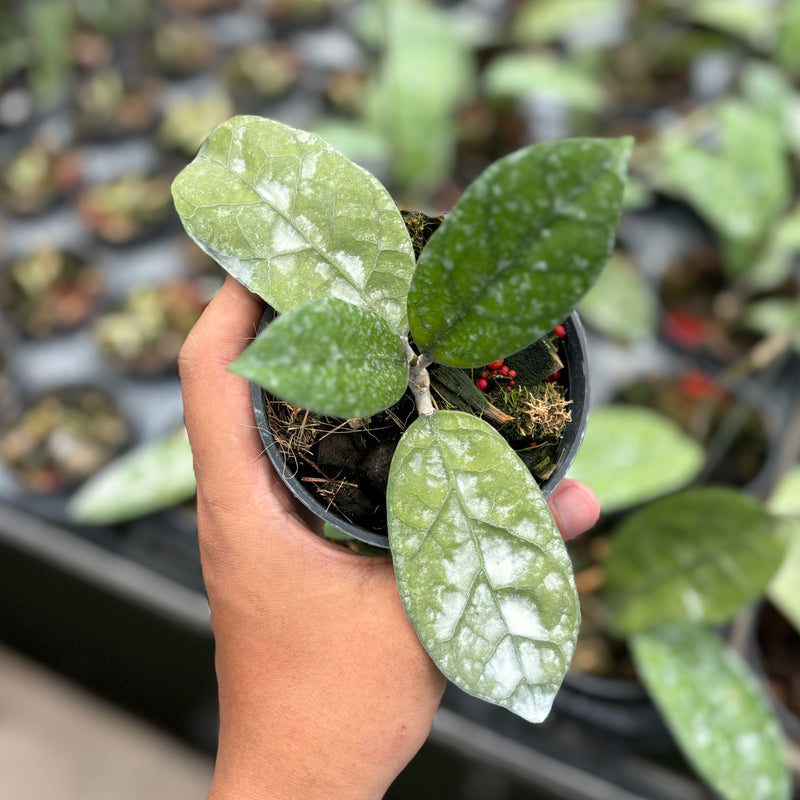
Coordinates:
<point>143,332</point>
<point>62,436</point>
<point>127,209</point>
<point>660,586</point>
<point>480,565</point>
<point>675,569</point>
<point>47,291</point>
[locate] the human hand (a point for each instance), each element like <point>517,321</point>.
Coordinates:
<point>324,688</point>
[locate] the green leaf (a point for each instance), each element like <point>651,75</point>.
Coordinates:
<point>482,569</point>
<point>518,250</point>
<point>632,454</point>
<point>785,496</point>
<point>424,74</point>
<point>526,74</point>
<point>775,315</point>
<point>788,48</point>
<point>151,477</point>
<point>716,710</point>
<point>548,20</point>
<point>775,262</point>
<point>739,186</point>
<point>328,356</point>
<point>356,140</point>
<point>782,591</point>
<point>621,305</point>
<point>698,555</point>
<point>751,22</point>
<point>293,220</point>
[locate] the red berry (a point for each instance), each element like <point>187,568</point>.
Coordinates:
<point>684,329</point>
<point>511,383</point>
<point>482,383</point>
<point>560,331</point>
<point>697,385</point>
<point>484,374</point>
<point>496,364</point>
<point>504,370</point>
<point>512,373</point>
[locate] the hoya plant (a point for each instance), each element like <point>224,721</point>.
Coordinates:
<point>679,564</point>
<point>482,570</point>
<point>676,567</point>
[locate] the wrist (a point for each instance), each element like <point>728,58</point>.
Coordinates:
<point>297,759</point>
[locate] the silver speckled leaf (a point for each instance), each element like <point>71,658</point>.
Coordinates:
<point>482,570</point>
<point>294,220</point>
<point>700,555</point>
<point>151,477</point>
<point>328,356</point>
<point>519,249</point>
<point>716,710</point>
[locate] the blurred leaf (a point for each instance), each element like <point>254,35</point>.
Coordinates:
<point>752,22</point>
<point>330,357</point>
<point>785,497</point>
<point>541,21</point>
<point>294,220</point>
<point>518,250</point>
<point>517,75</point>
<point>621,305</point>
<point>632,454</point>
<point>699,555</point>
<point>151,477</point>
<point>775,315</point>
<point>787,52</point>
<point>765,86</point>
<point>48,24</point>
<point>424,73</point>
<point>775,262</point>
<point>717,711</point>
<point>356,140</point>
<point>482,569</point>
<point>189,120</point>
<point>637,194</point>
<point>738,179</point>
<point>784,591</point>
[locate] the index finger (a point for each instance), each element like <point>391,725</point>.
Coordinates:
<point>217,405</point>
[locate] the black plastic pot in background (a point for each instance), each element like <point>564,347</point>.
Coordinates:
<point>771,645</point>
<point>618,707</point>
<point>574,376</point>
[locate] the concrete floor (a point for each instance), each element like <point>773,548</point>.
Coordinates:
<point>58,742</point>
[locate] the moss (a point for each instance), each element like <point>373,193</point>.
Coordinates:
<point>420,228</point>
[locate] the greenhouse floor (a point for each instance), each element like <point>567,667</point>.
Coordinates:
<point>58,742</point>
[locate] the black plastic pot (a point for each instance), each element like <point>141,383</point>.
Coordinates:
<point>754,627</point>
<point>618,707</point>
<point>574,377</point>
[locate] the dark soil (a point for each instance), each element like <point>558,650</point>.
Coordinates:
<point>346,463</point>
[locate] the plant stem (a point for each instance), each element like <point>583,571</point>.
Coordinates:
<point>419,381</point>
